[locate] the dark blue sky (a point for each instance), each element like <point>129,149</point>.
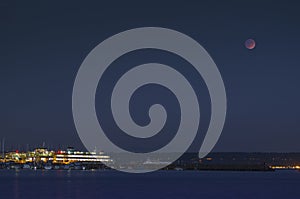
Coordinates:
<point>43,43</point>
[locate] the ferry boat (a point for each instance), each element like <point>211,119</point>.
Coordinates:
<point>71,156</point>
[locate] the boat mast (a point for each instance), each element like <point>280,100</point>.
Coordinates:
<point>3,147</point>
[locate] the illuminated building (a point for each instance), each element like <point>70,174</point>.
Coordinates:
<point>15,157</point>
<point>43,155</point>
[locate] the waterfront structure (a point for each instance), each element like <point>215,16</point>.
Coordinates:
<point>43,156</point>
<point>38,155</point>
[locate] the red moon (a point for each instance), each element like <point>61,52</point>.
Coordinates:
<point>250,44</point>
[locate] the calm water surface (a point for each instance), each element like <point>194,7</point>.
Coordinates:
<point>162,184</point>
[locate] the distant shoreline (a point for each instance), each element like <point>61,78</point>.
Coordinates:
<point>45,159</point>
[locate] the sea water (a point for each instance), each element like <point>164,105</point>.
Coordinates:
<point>54,184</point>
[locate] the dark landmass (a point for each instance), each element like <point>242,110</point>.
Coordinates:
<point>240,161</point>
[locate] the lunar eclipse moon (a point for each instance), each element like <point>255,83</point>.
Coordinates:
<point>250,44</point>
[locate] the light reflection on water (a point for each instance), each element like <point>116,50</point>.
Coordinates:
<point>28,184</point>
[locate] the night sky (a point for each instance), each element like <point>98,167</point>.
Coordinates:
<point>43,43</point>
